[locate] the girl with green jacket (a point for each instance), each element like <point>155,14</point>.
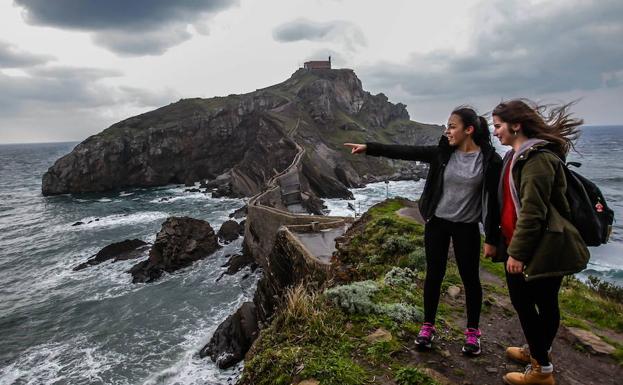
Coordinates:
<point>539,244</point>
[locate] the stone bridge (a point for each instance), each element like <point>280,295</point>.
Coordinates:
<point>279,212</point>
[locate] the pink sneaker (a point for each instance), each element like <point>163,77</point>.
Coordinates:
<point>426,335</point>
<point>472,342</point>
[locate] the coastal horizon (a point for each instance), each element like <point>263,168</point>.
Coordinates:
<point>80,140</point>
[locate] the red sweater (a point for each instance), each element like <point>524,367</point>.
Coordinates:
<point>509,215</point>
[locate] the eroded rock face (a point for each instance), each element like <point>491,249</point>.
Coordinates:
<point>324,184</point>
<point>180,242</point>
<point>161,147</point>
<point>119,251</point>
<point>335,91</point>
<point>233,338</point>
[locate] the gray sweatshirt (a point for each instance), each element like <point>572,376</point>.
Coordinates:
<point>462,184</point>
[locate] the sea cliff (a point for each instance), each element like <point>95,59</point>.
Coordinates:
<point>358,325</point>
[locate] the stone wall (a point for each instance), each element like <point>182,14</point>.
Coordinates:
<point>266,214</point>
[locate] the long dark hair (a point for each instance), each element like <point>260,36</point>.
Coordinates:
<point>549,122</point>
<point>469,117</point>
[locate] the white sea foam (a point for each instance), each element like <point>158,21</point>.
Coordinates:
<point>185,196</point>
<point>116,220</point>
<point>189,368</point>
<point>78,361</point>
<point>74,361</point>
<point>179,194</point>
<point>373,193</point>
<point>58,279</point>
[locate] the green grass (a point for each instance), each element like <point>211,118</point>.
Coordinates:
<point>618,354</point>
<point>333,368</point>
<point>570,321</point>
<point>578,301</point>
<point>169,115</point>
<point>306,339</point>
<point>413,376</point>
<point>381,351</point>
<point>495,268</point>
<point>386,241</point>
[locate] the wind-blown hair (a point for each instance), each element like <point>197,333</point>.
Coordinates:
<point>549,122</point>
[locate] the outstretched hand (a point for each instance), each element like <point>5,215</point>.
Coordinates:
<point>356,148</point>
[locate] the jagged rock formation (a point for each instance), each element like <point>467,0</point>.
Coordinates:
<point>180,242</point>
<point>285,266</point>
<point>237,262</point>
<point>118,251</point>
<point>234,144</point>
<point>233,338</point>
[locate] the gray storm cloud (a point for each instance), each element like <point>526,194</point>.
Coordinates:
<point>130,28</point>
<point>344,32</point>
<point>563,47</point>
<point>13,57</point>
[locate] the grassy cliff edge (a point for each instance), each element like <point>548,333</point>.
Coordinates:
<point>360,327</point>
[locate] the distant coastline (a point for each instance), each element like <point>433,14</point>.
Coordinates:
<point>80,140</point>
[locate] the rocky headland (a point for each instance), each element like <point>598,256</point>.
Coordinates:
<point>234,144</point>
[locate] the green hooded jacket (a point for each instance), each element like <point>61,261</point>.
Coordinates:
<point>544,238</point>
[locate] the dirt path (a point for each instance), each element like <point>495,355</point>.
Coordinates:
<point>500,328</point>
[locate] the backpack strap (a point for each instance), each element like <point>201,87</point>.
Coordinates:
<point>574,164</point>
<point>561,165</point>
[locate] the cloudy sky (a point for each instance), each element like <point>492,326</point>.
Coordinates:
<point>70,68</point>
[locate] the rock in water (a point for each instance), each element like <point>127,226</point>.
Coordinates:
<point>233,338</point>
<point>128,249</point>
<point>180,242</point>
<point>237,262</point>
<point>239,213</point>
<point>230,230</point>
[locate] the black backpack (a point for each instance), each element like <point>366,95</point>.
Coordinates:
<point>590,213</point>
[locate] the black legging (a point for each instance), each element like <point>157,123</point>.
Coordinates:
<point>536,303</point>
<point>466,244</point>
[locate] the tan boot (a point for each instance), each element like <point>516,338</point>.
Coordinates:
<point>532,376</point>
<point>522,354</point>
<point>519,354</point>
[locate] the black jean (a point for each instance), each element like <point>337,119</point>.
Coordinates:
<point>466,243</point>
<point>536,303</point>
